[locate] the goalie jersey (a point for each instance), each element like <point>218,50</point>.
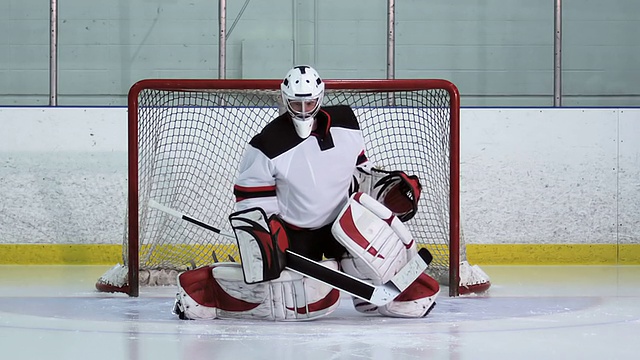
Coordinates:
<point>305,181</point>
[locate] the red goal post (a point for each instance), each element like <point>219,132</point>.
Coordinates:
<point>411,125</point>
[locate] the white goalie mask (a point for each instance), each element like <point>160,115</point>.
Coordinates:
<point>302,91</point>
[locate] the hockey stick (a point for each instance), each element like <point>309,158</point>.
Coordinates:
<point>378,295</point>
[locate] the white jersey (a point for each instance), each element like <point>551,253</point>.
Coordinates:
<point>305,181</point>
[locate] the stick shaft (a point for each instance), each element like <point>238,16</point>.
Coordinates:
<point>156,205</point>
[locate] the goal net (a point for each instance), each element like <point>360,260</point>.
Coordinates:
<point>186,139</point>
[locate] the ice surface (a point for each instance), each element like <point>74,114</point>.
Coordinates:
<point>529,313</point>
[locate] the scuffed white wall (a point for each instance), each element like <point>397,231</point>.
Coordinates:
<point>551,175</point>
<point>62,175</point>
<point>629,177</point>
<point>527,175</point>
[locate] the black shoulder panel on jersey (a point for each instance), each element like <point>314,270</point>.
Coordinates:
<point>342,116</point>
<point>278,137</point>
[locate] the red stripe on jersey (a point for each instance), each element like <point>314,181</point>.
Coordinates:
<point>322,126</point>
<point>250,192</point>
<point>254,188</point>
<point>326,130</point>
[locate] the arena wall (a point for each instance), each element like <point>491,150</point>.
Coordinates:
<point>538,185</point>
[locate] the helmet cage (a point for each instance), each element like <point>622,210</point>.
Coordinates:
<point>305,113</point>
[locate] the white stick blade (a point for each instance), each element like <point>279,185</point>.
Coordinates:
<point>409,273</point>
<point>157,205</point>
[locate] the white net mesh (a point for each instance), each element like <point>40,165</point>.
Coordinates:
<point>191,142</point>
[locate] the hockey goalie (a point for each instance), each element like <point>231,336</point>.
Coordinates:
<point>296,191</point>
<point>298,171</point>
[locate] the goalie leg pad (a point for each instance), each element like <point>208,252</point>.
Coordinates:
<point>416,301</point>
<point>357,268</point>
<point>194,300</point>
<point>223,294</point>
<point>376,239</point>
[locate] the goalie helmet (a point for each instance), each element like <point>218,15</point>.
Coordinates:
<point>302,92</point>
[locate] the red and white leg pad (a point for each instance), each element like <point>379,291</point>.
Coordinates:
<point>219,292</point>
<point>376,240</point>
<point>379,245</point>
<point>416,301</point>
